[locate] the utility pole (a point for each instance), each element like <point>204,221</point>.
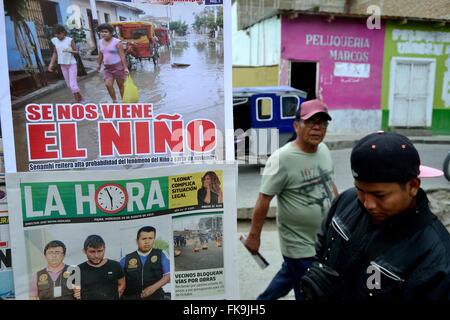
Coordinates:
<point>215,22</point>
<point>94,25</point>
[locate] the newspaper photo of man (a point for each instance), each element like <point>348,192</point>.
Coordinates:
<point>147,269</point>
<point>101,278</point>
<point>50,283</point>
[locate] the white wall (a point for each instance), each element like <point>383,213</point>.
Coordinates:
<point>257,46</point>
<point>353,121</point>
<point>128,14</point>
<point>102,8</point>
<point>84,19</point>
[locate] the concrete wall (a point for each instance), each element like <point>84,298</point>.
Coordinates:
<point>436,9</point>
<point>128,14</point>
<point>102,8</point>
<point>63,5</point>
<point>84,5</point>
<point>351,122</point>
<point>253,11</point>
<point>255,76</point>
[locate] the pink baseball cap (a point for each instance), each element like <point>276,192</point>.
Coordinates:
<point>429,172</point>
<point>312,107</point>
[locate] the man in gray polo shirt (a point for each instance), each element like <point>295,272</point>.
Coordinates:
<point>301,175</point>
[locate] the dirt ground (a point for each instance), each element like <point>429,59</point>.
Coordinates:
<point>440,204</point>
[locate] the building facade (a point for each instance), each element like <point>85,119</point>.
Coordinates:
<point>416,77</point>
<point>394,76</point>
<point>341,59</point>
<point>256,53</point>
<point>41,14</point>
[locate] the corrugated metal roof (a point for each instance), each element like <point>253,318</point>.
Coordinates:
<point>253,11</point>
<point>127,5</point>
<point>248,91</point>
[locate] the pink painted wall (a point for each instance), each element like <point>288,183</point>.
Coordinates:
<point>350,58</point>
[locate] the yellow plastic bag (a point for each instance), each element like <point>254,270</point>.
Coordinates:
<point>130,94</point>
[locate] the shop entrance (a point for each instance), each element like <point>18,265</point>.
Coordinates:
<point>304,77</point>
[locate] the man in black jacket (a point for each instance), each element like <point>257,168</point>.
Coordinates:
<point>380,239</point>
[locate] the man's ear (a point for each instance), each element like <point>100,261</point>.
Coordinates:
<point>414,185</point>
<point>296,125</point>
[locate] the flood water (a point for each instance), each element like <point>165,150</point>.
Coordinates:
<point>195,92</point>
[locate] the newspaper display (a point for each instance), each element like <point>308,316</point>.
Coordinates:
<point>172,107</point>
<point>193,214</point>
<point>6,272</point>
<point>174,52</point>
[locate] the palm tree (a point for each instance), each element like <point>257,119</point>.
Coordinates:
<point>25,42</point>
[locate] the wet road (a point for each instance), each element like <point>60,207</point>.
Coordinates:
<point>195,91</point>
<point>204,259</point>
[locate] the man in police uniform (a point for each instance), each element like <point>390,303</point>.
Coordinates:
<point>147,269</point>
<point>50,283</point>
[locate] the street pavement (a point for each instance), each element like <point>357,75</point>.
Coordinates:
<point>252,279</point>
<point>249,175</point>
<point>209,258</point>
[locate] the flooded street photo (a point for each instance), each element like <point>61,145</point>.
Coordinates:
<point>188,80</point>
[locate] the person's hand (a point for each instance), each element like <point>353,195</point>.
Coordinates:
<point>147,292</point>
<point>50,68</point>
<point>217,190</point>
<point>77,292</point>
<point>252,243</point>
<point>127,72</point>
<point>98,67</point>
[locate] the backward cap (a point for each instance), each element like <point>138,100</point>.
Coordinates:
<point>385,157</point>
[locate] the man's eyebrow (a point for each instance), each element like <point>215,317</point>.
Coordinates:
<point>380,192</point>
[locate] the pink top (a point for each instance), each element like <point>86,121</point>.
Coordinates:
<point>53,275</point>
<point>110,51</point>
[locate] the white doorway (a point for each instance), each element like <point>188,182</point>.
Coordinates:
<point>411,91</point>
